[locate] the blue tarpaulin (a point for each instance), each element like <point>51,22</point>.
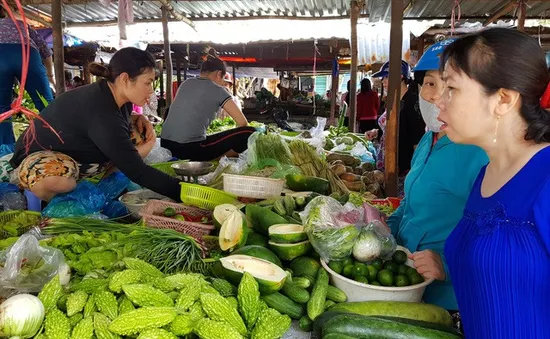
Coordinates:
<point>68,40</point>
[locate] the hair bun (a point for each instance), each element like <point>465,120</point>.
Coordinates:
<point>99,70</point>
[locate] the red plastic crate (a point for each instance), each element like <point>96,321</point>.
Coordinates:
<point>393,202</point>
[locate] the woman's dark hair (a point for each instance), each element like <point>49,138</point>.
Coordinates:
<point>129,60</point>
<point>505,58</point>
<point>213,63</point>
<point>366,85</point>
<point>3,12</point>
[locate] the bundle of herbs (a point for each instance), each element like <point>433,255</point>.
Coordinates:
<point>168,250</point>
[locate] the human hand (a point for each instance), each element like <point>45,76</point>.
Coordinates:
<point>372,134</point>
<point>429,264</point>
<point>145,148</point>
<point>145,128</point>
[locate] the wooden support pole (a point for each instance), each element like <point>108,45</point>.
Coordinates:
<point>87,76</point>
<point>522,14</point>
<point>234,81</point>
<point>501,12</point>
<point>167,56</point>
<point>58,54</point>
<point>394,99</point>
<point>178,69</point>
<point>162,101</point>
<point>334,91</point>
<point>354,14</point>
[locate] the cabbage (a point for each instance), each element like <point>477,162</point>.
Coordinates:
<point>368,246</point>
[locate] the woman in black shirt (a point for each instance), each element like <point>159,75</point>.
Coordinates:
<point>95,126</point>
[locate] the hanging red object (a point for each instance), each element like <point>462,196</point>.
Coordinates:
<point>17,106</point>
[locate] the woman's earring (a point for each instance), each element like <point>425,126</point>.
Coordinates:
<point>496,130</point>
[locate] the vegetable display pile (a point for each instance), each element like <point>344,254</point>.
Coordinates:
<point>18,225</point>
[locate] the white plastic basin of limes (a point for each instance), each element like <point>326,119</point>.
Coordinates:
<point>357,291</point>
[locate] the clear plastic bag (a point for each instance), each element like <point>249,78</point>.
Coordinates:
<point>332,228</point>
<point>158,154</point>
<point>27,266</point>
<point>268,146</point>
<point>271,168</point>
<point>375,241</point>
<point>85,199</point>
<point>362,153</point>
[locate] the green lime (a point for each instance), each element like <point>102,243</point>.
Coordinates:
<point>402,270</point>
<point>416,279</point>
<point>390,265</point>
<point>169,212</point>
<point>179,217</point>
<point>373,273</point>
<point>385,277</point>
<point>399,257</point>
<point>375,283</point>
<point>378,264</point>
<point>362,279</point>
<point>347,271</point>
<point>401,281</point>
<point>410,271</point>
<point>360,270</point>
<point>348,261</point>
<point>336,266</point>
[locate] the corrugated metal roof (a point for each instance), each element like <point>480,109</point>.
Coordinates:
<point>378,10</point>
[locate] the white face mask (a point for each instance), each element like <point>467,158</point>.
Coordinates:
<point>430,112</point>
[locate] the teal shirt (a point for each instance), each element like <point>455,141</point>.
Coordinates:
<point>436,190</point>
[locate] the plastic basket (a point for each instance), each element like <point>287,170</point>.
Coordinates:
<point>392,202</point>
<point>8,216</point>
<point>252,187</point>
<point>135,209</point>
<point>205,197</point>
<point>150,214</point>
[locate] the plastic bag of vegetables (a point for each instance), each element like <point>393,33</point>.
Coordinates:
<point>330,227</point>
<point>26,266</point>
<point>268,146</point>
<point>375,241</point>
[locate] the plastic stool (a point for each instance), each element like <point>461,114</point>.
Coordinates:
<point>33,203</point>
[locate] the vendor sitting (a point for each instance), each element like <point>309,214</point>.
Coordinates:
<point>95,125</point>
<point>195,106</point>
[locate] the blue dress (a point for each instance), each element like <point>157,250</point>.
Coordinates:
<point>498,257</point>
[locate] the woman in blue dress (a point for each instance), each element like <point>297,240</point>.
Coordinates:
<point>496,97</point>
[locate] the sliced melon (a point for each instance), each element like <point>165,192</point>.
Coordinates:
<point>234,231</point>
<point>221,213</point>
<point>269,276</point>
<point>290,251</point>
<point>287,233</point>
<point>257,251</point>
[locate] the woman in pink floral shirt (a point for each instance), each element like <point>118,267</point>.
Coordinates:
<point>39,76</point>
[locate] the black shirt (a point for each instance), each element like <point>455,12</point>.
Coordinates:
<point>95,131</point>
<point>411,129</point>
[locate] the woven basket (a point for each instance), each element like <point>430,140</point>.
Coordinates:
<point>8,216</point>
<point>150,214</point>
<point>252,187</point>
<point>205,197</point>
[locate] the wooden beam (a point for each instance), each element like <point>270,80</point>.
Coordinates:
<point>354,14</point>
<point>197,19</point>
<point>166,4</point>
<point>393,99</point>
<point>234,81</point>
<point>521,19</point>
<point>167,56</point>
<point>334,91</point>
<point>58,56</point>
<point>501,12</point>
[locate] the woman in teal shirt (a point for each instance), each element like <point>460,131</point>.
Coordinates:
<point>436,188</point>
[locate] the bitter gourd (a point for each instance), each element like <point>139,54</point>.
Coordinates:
<point>143,267</point>
<point>182,325</point>
<point>164,285</point>
<point>233,302</point>
<point>182,280</point>
<point>123,278</point>
<point>75,319</point>
<point>101,327</point>
<point>156,333</point>
<point>197,311</point>
<point>76,302</point>
<point>271,325</point>
<point>125,305</point>
<point>57,324</point>
<point>224,287</point>
<point>50,294</point>
<point>107,304</point>
<point>210,329</point>
<point>90,285</point>
<point>141,319</point>
<point>248,296</point>
<point>84,329</point>
<point>90,307</point>
<point>187,297</point>
<point>219,309</point>
<point>146,295</point>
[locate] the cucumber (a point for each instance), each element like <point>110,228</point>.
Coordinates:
<point>328,304</point>
<point>424,324</point>
<point>401,309</point>
<point>337,336</point>
<point>306,324</point>
<point>363,327</point>
<point>301,183</point>
<point>301,282</point>
<point>279,207</point>
<point>337,295</point>
<point>262,218</point>
<point>284,305</point>
<point>316,303</point>
<point>290,205</point>
<point>297,294</point>
<point>303,266</point>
